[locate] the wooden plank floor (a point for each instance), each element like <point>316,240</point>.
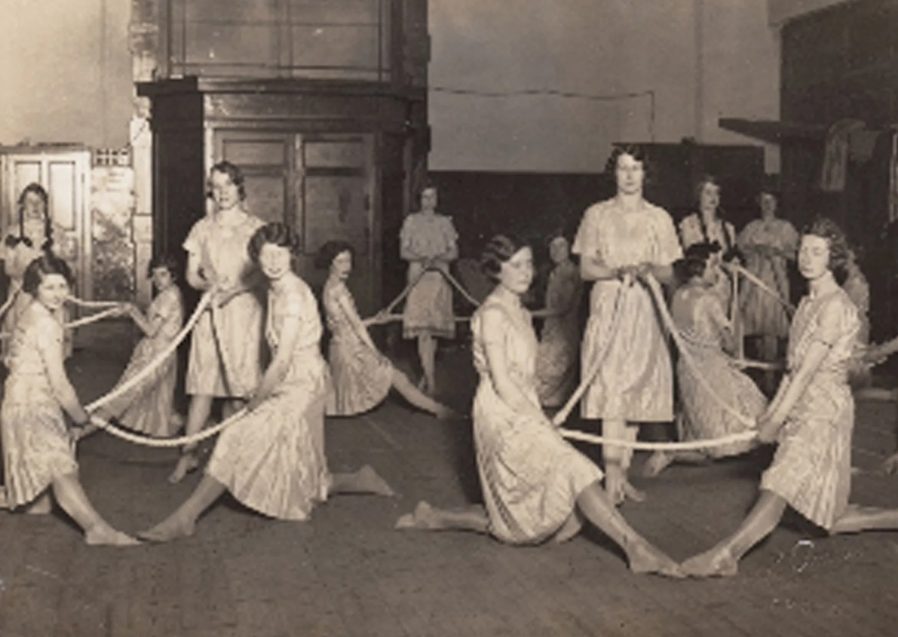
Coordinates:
<point>346,572</point>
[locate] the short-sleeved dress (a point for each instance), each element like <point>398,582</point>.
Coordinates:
<point>36,445</point>
<point>635,382</point>
<point>812,466</point>
<point>428,306</point>
<point>693,231</point>
<point>222,250</point>
<point>148,406</point>
<point>361,377</point>
<point>559,345</point>
<point>762,314</point>
<point>700,318</point>
<point>530,475</point>
<point>273,459</point>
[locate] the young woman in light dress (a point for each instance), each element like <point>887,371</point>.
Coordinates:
<point>38,446</point>
<point>361,376</point>
<point>707,331</point>
<point>559,343</point>
<point>272,460</point>
<point>226,344</point>
<point>620,241</point>
<point>427,241</point>
<point>811,417</point>
<point>536,486</point>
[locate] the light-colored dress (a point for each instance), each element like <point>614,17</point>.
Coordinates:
<point>699,316</point>
<point>635,382</point>
<point>530,475</point>
<point>273,460</point>
<point>148,406</point>
<point>361,377</point>
<point>812,466</point>
<point>36,445</point>
<point>559,345</point>
<point>222,250</point>
<point>693,231</point>
<point>428,306</point>
<point>762,314</point>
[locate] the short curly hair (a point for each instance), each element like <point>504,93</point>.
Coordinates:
<point>695,260</point>
<point>826,228</point>
<point>636,152</point>
<point>497,251</point>
<point>329,251</point>
<point>43,266</point>
<point>167,261</point>
<point>276,233</point>
<point>234,174</point>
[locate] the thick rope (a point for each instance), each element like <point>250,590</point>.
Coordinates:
<point>148,441</point>
<point>691,445</point>
<point>9,301</point>
<point>738,269</point>
<point>92,304</point>
<point>93,318</point>
<point>458,286</point>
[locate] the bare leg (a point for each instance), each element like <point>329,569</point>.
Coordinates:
<point>42,505</point>
<point>429,518</point>
<point>365,480</point>
<point>71,497</point>
<point>660,460</point>
<point>598,508</point>
<point>857,518</point>
<point>617,462</point>
<point>197,415</point>
<point>182,522</point>
<point>419,399</point>
<point>723,559</point>
<point>427,351</point>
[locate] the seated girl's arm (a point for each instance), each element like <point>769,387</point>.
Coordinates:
<point>51,352</point>
<point>348,308</point>
<point>494,326</point>
<point>279,365</point>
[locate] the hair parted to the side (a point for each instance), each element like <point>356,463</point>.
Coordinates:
<point>167,261</point>
<point>497,251</point>
<point>42,266</point>
<point>634,151</point>
<point>695,260</point>
<point>276,233</point>
<point>329,251</point>
<point>826,228</point>
<point>234,174</point>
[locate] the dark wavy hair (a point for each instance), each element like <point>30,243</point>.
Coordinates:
<point>13,240</point>
<point>234,173</point>
<point>43,266</point>
<point>167,261</point>
<point>329,251</point>
<point>705,179</point>
<point>276,233</point>
<point>636,152</point>
<point>695,260</point>
<point>497,251</point>
<point>826,228</point>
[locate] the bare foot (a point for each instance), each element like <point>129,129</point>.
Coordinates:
<point>372,482</point>
<point>103,535</point>
<point>187,462</point>
<point>645,558</point>
<point>447,413</point>
<point>657,463</point>
<point>569,529</point>
<point>4,503</point>
<point>169,529</point>
<point>632,493</point>
<point>421,518</point>
<point>43,505</point>
<point>717,562</point>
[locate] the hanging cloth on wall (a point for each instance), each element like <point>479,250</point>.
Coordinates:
<point>835,154</point>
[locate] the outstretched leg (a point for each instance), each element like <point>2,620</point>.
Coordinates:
<point>597,507</point>
<point>71,497</point>
<point>857,518</point>
<point>182,522</point>
<point>617,461</point>
<point>660,460</point>
<point>419,399</point>
<point>365,480</point>
<point>723,559</point>
<point>197,415</point>
<point>429,518</point>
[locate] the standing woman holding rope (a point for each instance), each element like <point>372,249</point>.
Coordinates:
<point>428,242</point>
<point>618,241</point>
<point>225,349</point>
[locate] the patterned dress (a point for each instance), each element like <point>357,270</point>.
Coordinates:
<point>556,361</point>
<point>273,459</point>
<point>428,307</point>
<point>530,475</point>
<point>148,406</point>
<point>812,466</point>
<point>693,230</point>
<point>700,319</point>
<point>635,382</point>
<point>762,314</point>
<point>222,250</point>
<point>361,376</point>
<point>36,445</point>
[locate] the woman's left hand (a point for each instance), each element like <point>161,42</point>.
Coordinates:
<point>768,427</point>
<point>254,401</point>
